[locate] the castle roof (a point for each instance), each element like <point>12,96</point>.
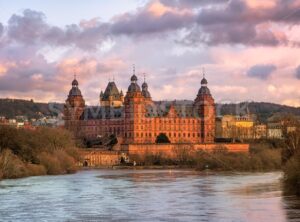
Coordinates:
<point>204,90</point>
<point>111,90</point>
<point>182,109</point>
<point>75,82</point>
<point>145,91</point>
<point>97,112</point>
<point>134,87</point>
<point>204,81</point>
<point>75,91</point>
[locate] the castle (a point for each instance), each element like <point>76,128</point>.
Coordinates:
<point>136,119</point>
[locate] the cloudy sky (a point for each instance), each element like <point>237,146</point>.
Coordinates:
<point>250,49</point>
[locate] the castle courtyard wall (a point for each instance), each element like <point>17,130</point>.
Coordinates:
<point>171,150</point>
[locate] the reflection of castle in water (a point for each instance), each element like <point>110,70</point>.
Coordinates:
<point>136,118</point>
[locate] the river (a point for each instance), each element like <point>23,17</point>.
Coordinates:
<point>148,195</point>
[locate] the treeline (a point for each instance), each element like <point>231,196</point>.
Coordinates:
<point>10,108</point>
<point>14,107</point>
<point>39,152</point>
<point>261,109</point>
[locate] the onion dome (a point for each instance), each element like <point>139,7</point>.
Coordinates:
<point>133,78</point>
<point>75,91</point>
<point>145,91</point>
<point>121,93</point>
<point>146,94</point>
<point>75,82</point>
<point>204,81</point>
<point>134,87</point>
<point>144,85</point>
<point>204,91</point>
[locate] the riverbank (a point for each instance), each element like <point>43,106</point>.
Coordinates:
<point>44,151</point>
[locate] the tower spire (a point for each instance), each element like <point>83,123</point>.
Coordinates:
<point>74,71</point>
<point>133,69</point>
<point>203,72</point>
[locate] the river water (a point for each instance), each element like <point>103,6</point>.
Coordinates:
<point>148,195</point>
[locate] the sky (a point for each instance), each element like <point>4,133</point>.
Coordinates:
<point>249,49</point>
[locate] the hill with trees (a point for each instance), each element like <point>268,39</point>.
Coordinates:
<point>11,108</point>
<point>17,107</point>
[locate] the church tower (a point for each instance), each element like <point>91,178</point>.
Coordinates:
<point>205,108</point>
<point>74,108</point>
<point>134,104</point>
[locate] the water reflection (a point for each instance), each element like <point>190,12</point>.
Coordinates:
<point>148,195</point>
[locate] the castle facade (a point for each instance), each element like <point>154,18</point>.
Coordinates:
<point>136,119</point>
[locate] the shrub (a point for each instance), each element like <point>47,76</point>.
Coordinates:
<point>292,175</point>
<point>29,153</point>
<point>162,138</point>
<point>11,165</point>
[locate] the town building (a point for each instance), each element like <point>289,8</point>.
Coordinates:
<point>275,130</point>
<point>235,127</point>
<point>260,131</point>
<point>137,119</point>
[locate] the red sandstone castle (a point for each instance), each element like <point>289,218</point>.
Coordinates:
<point>137,119</point>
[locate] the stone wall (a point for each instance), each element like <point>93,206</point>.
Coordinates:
<point>98,157</point>
<point>170,150</point>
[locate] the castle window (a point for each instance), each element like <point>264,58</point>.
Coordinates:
<point>174,134</point>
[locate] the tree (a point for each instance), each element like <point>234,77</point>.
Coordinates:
<point>292,138</point>
<point>162,138</point>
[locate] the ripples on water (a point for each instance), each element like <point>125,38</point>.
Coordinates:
<point>147,195</point>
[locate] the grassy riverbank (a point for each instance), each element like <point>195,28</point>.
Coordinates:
<point>39,152</point>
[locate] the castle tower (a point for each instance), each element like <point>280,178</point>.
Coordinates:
<point>134,112</point>
<point>146,93</point>
<point>111,96</point>
<point>74,108</point>
<point>205,108</point>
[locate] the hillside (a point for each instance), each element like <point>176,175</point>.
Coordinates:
<point>17,107</point>
<point>261,109</point>
<point>14,107</point>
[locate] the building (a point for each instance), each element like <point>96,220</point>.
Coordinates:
<point>3,121</point>
<point>235,127</point>
<point>275,130</point>
<point>136,119</point>
<point>260,131</point>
